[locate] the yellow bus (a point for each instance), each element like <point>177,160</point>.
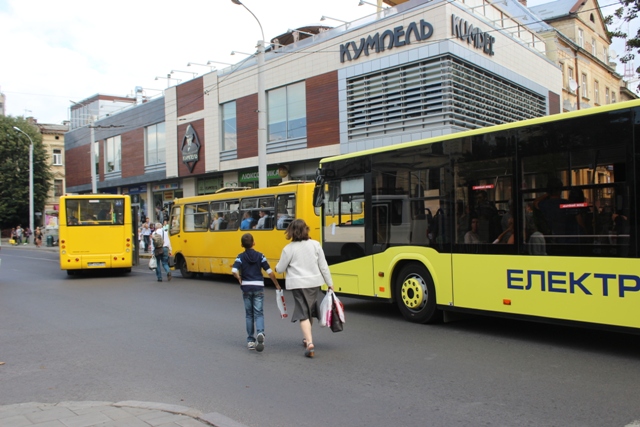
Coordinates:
<point>535,219</point>
<point>205,230</point>
<point>96,232</point>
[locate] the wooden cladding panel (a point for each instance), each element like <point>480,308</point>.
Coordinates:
<point>133,153</point>
<point>199,167</point>
<point>190,96</point>
<point>77,166</point>
<point>247,123</point>
<point>323,121</point>
<point>554,103</point>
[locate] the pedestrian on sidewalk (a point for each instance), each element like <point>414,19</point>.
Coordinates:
<point>247,269</point>
<point>38,237</point>
<point>163,252</point>
<point>19,232</point>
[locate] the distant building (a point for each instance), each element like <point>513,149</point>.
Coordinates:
<point>2,103</point>
<point>53,142</point>
<point>580,46</point>
<point>96,107</point>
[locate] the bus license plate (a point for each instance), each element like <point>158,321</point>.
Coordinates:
<point>96,264</point>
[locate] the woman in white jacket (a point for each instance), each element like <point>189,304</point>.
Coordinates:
<point>307,270</point>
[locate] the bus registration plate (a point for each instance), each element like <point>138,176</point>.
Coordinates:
<point>96,264</point>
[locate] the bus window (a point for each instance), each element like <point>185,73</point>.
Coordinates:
<point>575,199</point>
<point>286,211</point>
<point>196,217</point>
<point>175,221</point>
<point>232,216</point>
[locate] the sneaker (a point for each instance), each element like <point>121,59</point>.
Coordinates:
<point>251,345</point>
<point>260,345</point>
<point>169,276</point>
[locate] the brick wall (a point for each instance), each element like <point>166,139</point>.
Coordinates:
<point>133,153</point>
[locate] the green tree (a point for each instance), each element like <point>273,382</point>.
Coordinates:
<point>14,172</point>
<point>627,13</point>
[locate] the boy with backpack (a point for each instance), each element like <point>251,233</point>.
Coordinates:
<point>161,250</point>
<point>247,269</point>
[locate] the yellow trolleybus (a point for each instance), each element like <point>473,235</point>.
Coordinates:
<point>96,232</point>
<point>205,230</point>
<point>535,219</point>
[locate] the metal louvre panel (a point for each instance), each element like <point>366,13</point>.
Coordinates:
<point>431,93</point>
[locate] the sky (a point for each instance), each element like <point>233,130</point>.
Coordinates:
<point>56,52</point>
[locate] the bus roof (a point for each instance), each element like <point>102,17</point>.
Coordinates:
<point>488,129</point>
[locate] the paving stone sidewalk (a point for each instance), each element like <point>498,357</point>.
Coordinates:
<point>107,414</point>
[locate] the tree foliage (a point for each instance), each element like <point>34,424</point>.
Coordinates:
<point>14,171</point>
<point>627,13</point>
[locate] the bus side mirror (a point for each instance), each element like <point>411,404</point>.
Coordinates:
<point>318,191</point>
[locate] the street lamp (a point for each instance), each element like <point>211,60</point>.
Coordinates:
<point>186,72</point>
<point>262,107</point>
<point>324,18</point>
<point>30,182</point>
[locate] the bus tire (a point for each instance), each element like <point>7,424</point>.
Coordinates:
<point>415,294</point>
<point>184,271</point>
<point>71,272</point>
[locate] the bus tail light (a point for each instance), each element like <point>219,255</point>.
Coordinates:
<point>506,301</point>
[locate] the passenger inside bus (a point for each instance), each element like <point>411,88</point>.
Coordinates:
<point>472,237</point>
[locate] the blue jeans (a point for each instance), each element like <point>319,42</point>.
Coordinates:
<point>163,260</point>
<point>253,302</point>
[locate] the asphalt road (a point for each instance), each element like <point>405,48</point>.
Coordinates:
<point>113,338</point>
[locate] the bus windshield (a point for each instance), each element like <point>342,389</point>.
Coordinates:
<point>95,211</point>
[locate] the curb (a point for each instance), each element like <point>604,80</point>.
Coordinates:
<point>92,413</point>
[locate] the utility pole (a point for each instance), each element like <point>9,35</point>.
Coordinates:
<point>92,154</point>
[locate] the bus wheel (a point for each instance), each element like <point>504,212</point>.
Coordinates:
<point>71,272</point>
<point>415,294</point>
<point>183,269</point>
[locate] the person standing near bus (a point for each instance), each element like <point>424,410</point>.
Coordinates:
<point>307,270</point>
<point>163,252</point>
<point>146,234</point>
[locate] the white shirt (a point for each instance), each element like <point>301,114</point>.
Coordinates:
<point>305,265</point>
<point>165,238</point>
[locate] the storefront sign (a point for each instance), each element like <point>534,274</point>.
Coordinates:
<point>253,175</point>
<point>141,189</point>
<point>190,148</point>
<point>387,40</point>
<point>209,185</point>
<point>168,186</point>
<point>465,31</point>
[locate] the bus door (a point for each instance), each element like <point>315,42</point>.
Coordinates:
<point>134,233</point>
<point>344,236</point>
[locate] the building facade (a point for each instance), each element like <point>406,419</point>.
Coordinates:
<point>419,69</point>
<point>580,46</point>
